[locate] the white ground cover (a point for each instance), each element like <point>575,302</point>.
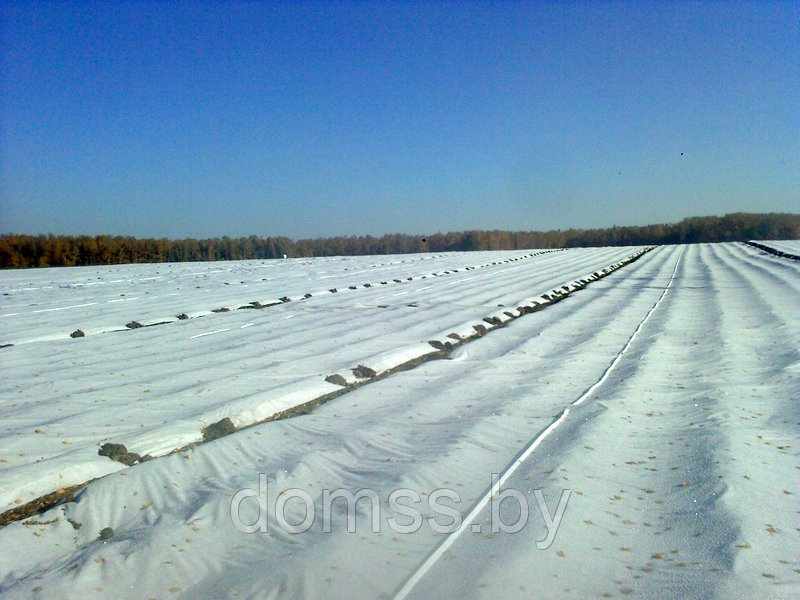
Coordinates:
<point>788,246</point>
<point>680,455</point>
<point>154,389</point>
<point>43,304</point>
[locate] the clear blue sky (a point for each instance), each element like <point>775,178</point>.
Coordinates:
<point>205,119</point>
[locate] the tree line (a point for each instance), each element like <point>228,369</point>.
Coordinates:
<point>18,251</point>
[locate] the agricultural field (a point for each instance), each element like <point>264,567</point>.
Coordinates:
<point>638,404</point>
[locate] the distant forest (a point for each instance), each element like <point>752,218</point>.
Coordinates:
<point>64,250</point>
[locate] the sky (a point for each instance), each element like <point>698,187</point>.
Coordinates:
<point>170,119</point>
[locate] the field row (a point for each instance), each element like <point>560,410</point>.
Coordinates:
<point>784,249</point>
